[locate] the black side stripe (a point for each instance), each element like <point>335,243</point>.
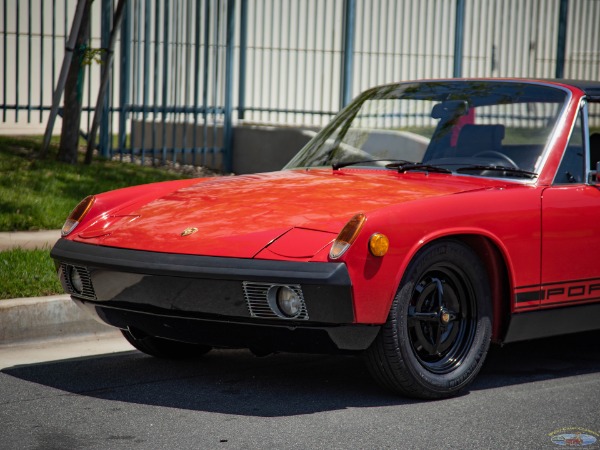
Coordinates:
<point>530,296</point>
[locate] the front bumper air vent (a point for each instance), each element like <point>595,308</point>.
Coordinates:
<point>77,281</point>
<point>275,301</point>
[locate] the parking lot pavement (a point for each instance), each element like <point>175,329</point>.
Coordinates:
<point>527,395</point>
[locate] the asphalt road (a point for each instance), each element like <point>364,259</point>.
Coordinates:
<point>230,399</point>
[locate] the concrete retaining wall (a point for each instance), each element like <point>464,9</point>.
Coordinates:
<point>256,148</point>
<point>260,148</point>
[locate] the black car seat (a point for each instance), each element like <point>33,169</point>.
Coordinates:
<point>475,139</point>
<point>594,150</point>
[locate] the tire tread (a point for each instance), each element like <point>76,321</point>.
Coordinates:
<point>384,357</point>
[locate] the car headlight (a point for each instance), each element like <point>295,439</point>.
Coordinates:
<point>77,215</point>
<point>347,236</point>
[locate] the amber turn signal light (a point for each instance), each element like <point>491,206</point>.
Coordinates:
<point>379,244</point>
<point>347,236</point>
<point>77,215</point>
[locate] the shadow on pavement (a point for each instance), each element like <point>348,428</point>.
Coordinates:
<point>236,382</point>
<point>542,359</point>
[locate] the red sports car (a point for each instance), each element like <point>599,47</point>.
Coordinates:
<point>429,219</point>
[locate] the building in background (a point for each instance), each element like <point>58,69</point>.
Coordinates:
<point>187,72</point>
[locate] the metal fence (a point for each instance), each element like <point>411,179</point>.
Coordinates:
<point>179,59</point>
<point>33,40</point>
<point>187,70</point>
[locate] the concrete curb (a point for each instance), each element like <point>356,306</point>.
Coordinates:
<point>36,319</point>
<point>25,320</point>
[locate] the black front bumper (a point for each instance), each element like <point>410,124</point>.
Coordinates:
<point>204,299</point>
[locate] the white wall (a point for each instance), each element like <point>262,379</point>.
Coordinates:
<point>295,50</point>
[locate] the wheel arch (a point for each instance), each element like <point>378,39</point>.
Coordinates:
<point>499,277</point>
<point>498,268</point>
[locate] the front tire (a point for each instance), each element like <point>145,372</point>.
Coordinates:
<point>165,348</point>
<point>439,327</point>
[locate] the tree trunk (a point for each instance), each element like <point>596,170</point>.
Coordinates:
<point>73,98</point>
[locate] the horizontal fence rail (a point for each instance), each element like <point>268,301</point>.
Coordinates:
<point>186,71</point>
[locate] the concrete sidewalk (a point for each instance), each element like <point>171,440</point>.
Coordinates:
<point>24,320</point>
<point>29,239</point>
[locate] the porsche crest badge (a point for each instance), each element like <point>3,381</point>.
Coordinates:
<point>189,231</point>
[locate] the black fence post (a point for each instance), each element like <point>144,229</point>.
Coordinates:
<point>104,143</point>
<point>348,51</point>
<point>229,66</point>
<point>243,58</point>
<point>561,45</point>
<point>459,36</point>
<point>125,77</point>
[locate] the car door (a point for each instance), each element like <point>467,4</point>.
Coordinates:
<point>570,226</point>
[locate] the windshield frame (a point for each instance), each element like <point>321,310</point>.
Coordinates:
<point>340,125</point>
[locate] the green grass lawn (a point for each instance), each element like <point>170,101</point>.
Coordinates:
<point>39,194</point>
<point>27,273</point>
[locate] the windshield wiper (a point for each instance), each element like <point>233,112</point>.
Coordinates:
<point>511,170</point>
<point>405,166</point>
<point>339,165</point>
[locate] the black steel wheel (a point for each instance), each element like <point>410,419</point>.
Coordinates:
<point>165,348</point>
<point>439,326</point>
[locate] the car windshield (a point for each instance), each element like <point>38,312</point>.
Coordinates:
<point>480,128</point>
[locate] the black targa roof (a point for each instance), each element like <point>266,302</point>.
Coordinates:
<point>591,88</point>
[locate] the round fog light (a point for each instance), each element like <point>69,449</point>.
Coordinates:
<point>288,301</point>
<point>76,281</point>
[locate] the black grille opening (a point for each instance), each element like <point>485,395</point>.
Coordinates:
<point>87,292</point>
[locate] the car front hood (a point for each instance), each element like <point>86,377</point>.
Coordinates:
<point>240,216</point>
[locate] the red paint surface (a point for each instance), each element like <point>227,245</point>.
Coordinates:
<point>239,216</point>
